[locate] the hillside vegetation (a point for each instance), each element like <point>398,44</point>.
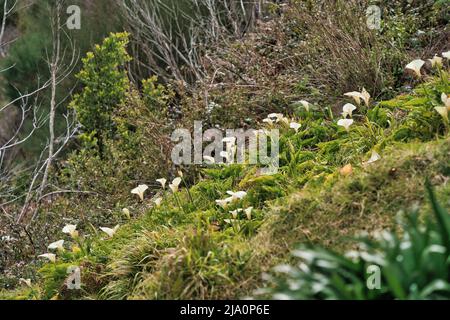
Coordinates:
<point>363,175</point>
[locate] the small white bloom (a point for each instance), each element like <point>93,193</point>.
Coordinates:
<point>110,232</point>
<point>225,202</point>
<point>305,105</point>
<point>445,100</point>
<point>436,61</point>
<point>162,182</point>
<point>26,282</point>
<point>49,256</point>
<point>374,158</point>
<point>446,55</point>
<point>268,121</point>
<point>58,245</point>
<point>237,195</point>
<point>346,123</point>
<point>140,190</point>
<point>357,96</point>
<point>174,186</point>
<point>158,202</point>
<point>366,97</point>
<point>248,213</point>
<point>235,213</point>
<point>347,110</point>
<point>71,230</point>
<point>415,66</point>
<point>296,126</point>
<point>443,111</point>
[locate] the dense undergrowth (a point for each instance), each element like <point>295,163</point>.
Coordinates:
<point>336,178</point>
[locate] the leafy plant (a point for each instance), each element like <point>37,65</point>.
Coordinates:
<point>413,264</point>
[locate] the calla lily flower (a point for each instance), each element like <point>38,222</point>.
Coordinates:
<point>305,104</point>
<point>224,203</point>
<point>26,282</point>
<point>415,66</point>
<point>110,232</point>
<point>58,245</point>
<point>235,213</point>
<point>140,190</point>
<point>366,97</point>
<point>71,230</point>
<point>209,160</point>
<point>296,126</point>
<point>347,110</point>
<point>446,55</point>
<point>162,182</point>
<point>269,121</point>
<point>277,117</point>
<point>158,202</point>
<point>443,111</point>
<point>126,212</point>
<point>49,256</point>
<point>374,158</point>
<point>357,96</point>
<point>445,100</point>
<point>174,186</point>
<point>346,123</point>
<point>248,213</point>
<point>237,195</point>
<point>436,61</point>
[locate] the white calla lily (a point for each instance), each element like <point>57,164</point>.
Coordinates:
<point>49,256</point>
<point>58,245</point>
<point>446,55</point>
<point>443,111</point>
<point>357,96</point>
<point>305,105</point>
<point>347,110</point>
<point>237,195</point>
<point>110,232</point>
<point>436,61</point>
<point>346,123</point>
<point>445,100</point>
<point>140,191</point>
<point>71,229</point>
<point>162,182</point>
<point>158,202</point>
<point>416,66</point>
<point>248,213</point>
<point>174,186</point>
<point>235,213</point>
<point>365,95</point>
<point>26,282</point>
<point>296,126</point>
<point>374,158</point>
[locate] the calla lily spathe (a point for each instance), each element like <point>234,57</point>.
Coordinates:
<point>237,195</point>
<point>140,191</point>
<point>443,111</point>
<point>110,232</point>
<point>446,101</point>
<point>296,126</point>
<point>58,245</point>
<point>158,202</point>
<point>162,182</point>
<point>305,105</point>
<point>346,123</point>
<point>347,110</point>
<point>248,213</point>
<point>416,66</point>
<point>357,96</point>
<point>374,158</point>
<point>49,256</point>
<point>235,213</point>
<point>436,61</point>
<point>446,55</point>
<point>174,186</point>
<point>26,282</point>
<point>71,229</point>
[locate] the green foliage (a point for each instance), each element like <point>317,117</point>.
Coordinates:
<point>414,264</point>
<point>105,85</point>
